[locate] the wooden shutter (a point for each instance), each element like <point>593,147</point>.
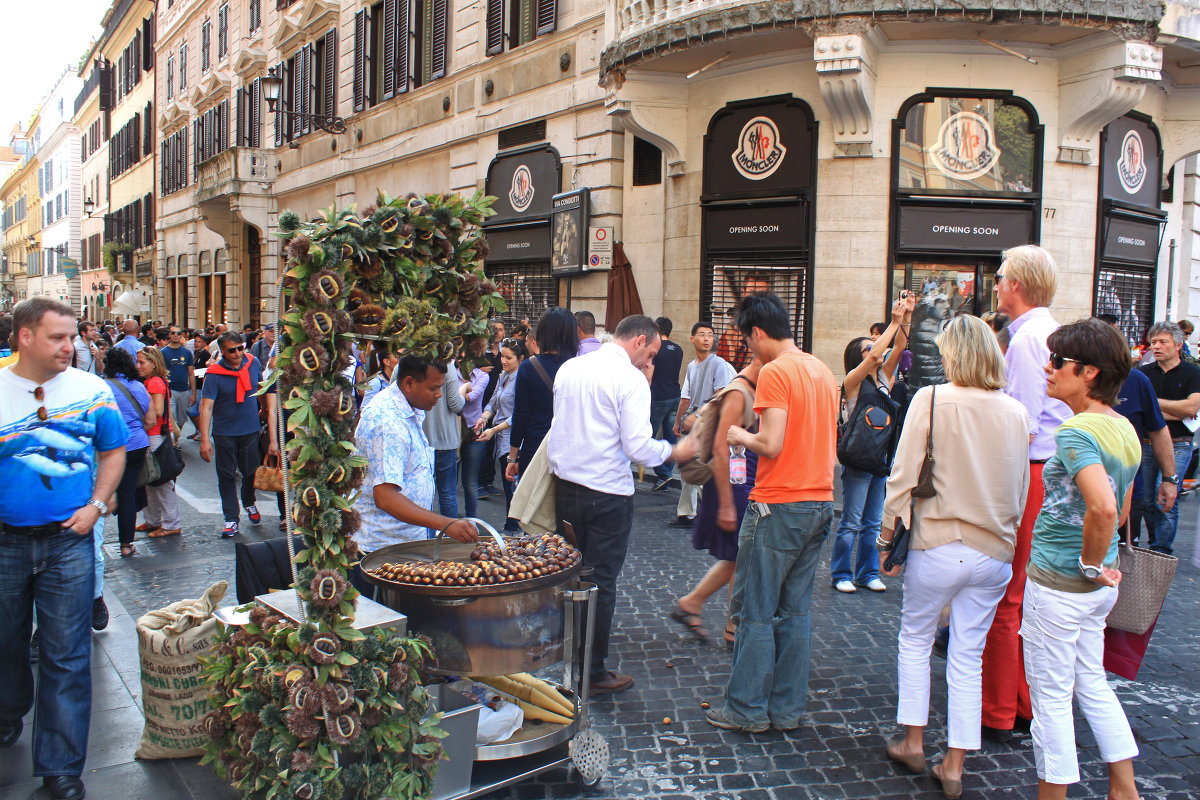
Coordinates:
<point>389,49</point>
<point>223,31</point>
<point>148,37</point>
<point>148,143</point>
<point>403,26</point>
<point>255,110</point>
<point>361,46</point>
<point>303,86</point>
<point>329,103</point>
<point>495,27</point>
<point>547,16</point>
<point>148,219</point>
<point>437,35</point>
<point>205,41</point>
<point>280,70</point>
<point>243,107</point>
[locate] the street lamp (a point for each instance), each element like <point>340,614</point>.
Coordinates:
<point>31,243</point>
<point>89,205</point>
<point>99,287</point>
<point>272,88</point>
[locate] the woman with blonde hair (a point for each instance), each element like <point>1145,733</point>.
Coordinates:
<point>162,507</point>
<point>962,538</point>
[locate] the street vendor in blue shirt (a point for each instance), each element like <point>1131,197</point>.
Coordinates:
<point>398,490</point>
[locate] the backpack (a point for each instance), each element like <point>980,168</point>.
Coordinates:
<point>867,440</point>
<point>698,471</point>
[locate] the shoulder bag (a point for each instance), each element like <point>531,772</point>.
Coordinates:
<point>150,469</point>
<point>924,487</point>
<point>1146,576</point>
<point>541,371</point>
<point>698,471</point>
<point>866,442</point>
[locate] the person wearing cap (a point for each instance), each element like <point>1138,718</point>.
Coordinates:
<point>261,349</point>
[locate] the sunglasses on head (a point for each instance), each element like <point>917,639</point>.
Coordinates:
<point>1058,361</point>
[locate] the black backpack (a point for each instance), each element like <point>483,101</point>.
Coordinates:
<point>867,440</point>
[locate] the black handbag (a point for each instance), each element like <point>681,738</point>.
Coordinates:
<point>900,540</point>
<point>170,462</point>
<point>867,441</point>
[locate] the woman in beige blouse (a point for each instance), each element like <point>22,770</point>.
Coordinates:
<point>961,549</point>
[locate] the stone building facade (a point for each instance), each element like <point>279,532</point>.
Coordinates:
<point>836,152</point>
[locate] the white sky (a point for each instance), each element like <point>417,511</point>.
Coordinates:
<point>38,39</point>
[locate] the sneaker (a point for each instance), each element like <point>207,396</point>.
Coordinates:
<point>876,585</point>
<point>661,485</point>
<point>718,720</point>
<point>230,531</point>
<point>491,490</point>
<point>680,522</point>
<point>99,614</point>
<point>252,512</point>
<point>845,586</point>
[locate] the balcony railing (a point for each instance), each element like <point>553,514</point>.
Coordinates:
<point>238,170</point>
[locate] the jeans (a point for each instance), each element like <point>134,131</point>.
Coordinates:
<point>973,584</point>
<point>602,523</point>
<point>162,506</point>
<point>510,487</point>
<point>487,465</point>
<point>1161,526</point>
<point>445,477</point>
<point>662,415</point>
<point>779,547</point>
<point>234,453</point>
<point>127,508</point>
<point>98,554</point>
<point>472,454</point>
<point>56,576</point>
<point>862,515</point>
<point>1064,660</point>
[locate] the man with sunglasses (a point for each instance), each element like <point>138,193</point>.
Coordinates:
<point>62,453</point>
<point>229,408</point>
<point>181,369</point>
<point>1025,287</point>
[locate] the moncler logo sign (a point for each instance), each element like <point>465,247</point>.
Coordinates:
<point>759,152</point>
<point>965,147</point>
<point>521,194</point>
<point>1131,168</point>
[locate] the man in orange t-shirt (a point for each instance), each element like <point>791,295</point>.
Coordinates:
<point>788,519</point>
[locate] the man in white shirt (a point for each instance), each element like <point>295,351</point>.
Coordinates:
<point>601,423</point>
<point>86,355</point>
<point>706,375</point>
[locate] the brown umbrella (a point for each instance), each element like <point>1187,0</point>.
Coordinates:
<point>623,299</point>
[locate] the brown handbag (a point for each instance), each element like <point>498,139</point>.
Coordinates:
<point>269,476</point>
<point>924,487</point>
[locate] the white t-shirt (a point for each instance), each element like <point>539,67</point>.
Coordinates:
<point>705,378</point>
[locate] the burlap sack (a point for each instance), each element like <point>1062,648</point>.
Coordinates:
<point>173,694</point>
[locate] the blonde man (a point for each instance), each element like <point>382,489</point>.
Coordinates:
<point>1025,286</point>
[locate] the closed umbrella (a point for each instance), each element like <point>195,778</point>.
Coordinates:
<point>623,299</point>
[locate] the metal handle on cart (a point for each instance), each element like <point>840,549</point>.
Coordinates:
<point>479,523</point>
<point>585,594</point>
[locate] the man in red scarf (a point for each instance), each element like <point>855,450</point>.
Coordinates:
<point>229,408</point>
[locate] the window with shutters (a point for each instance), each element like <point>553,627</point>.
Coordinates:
<point>212,131</point>
<point>170,78</point>
<point>223,31</point>
<point>125,149</point>
<point>255,15</point>
<point>309,86</point>
<point>398,45</point>
<point>205,45</point>
<point>249,120</point>
<point>512,23</point>
<point>174,161</point>
<point>182,67</point>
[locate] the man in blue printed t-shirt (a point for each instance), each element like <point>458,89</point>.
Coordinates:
<point>229,408</point>
<point>181,372</point>
<point>58,426</point>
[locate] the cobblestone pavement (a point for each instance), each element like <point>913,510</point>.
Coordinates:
<point>837,754</point>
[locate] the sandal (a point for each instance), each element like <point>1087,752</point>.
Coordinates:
<point>161,532</point>
<point>145,526</point>
<point>127,550</point>
<point>692,622</point>
<point>951,789</point>
<point>915,763</point>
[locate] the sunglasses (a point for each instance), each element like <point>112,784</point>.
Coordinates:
<point>238,349</point>
<point>1058,361</point>
<point>999,277</point>
<point>39,394</point>
<point>175,333</point>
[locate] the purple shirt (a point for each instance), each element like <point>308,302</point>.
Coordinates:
<point>1026,358</point>
<point>473,409</point>
<point>588,345</point>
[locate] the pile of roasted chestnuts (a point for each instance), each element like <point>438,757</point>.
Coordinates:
<point>525,558</point>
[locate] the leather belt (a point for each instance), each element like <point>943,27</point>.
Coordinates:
<point>1038,460</point>
<point>34,531</point>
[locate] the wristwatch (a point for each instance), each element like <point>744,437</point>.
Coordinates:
<point>1173,479</point>
<point>99,505</point>
<point>1089,572</point>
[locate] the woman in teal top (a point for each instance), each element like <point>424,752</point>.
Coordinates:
<point>1072,574</point>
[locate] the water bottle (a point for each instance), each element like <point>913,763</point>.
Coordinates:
<point>737,464</point>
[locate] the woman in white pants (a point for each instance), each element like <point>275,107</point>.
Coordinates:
<point>962,542</point>
<point>1072,575</point>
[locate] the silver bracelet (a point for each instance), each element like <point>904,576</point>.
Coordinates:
<point>882,543</point>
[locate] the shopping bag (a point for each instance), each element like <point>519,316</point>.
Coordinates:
<point>1124,651</point>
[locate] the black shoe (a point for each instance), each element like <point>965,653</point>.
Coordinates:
<point>1022,725</point>
<point>99,614</point>
<point>9,733</point>
<point>997,735</point>
<point>680,522</point>
<point>35,647</point>
<point>64,787</point>
<point>661,485</point>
